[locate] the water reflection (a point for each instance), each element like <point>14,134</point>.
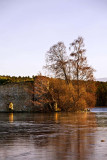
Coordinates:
<point>10,117</point>
<point>59,136</point>
<point>56,117</point>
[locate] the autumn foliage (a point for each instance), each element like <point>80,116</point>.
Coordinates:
<point>66,95</point>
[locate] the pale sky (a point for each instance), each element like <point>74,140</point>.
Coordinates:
<point>28,28</point>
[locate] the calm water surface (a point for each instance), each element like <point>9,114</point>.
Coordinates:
<point>59,136</point>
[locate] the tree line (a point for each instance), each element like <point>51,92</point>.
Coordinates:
<point>13,79</point>
<point>101,94</point>
<point>59,94</point>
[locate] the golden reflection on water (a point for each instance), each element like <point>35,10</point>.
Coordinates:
<point>56,117</point>
<point>11,117</point>
<point>74,135</point>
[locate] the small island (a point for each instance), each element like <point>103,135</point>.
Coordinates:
<point>72,88</point>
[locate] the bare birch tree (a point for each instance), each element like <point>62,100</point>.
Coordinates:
<point>80,68</point>
<point>56,61</point>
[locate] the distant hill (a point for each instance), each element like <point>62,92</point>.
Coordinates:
<point>101,79</point>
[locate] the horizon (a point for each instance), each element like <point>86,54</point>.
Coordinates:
<point>103,79</point>
<point>29,28</point>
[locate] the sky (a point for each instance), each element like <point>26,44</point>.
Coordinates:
<point>28,28</point>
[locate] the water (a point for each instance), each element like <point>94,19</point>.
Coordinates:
<point>98,109</point>
<point>59,136</point>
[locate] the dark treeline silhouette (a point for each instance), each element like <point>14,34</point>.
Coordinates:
<point>101,94</point>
